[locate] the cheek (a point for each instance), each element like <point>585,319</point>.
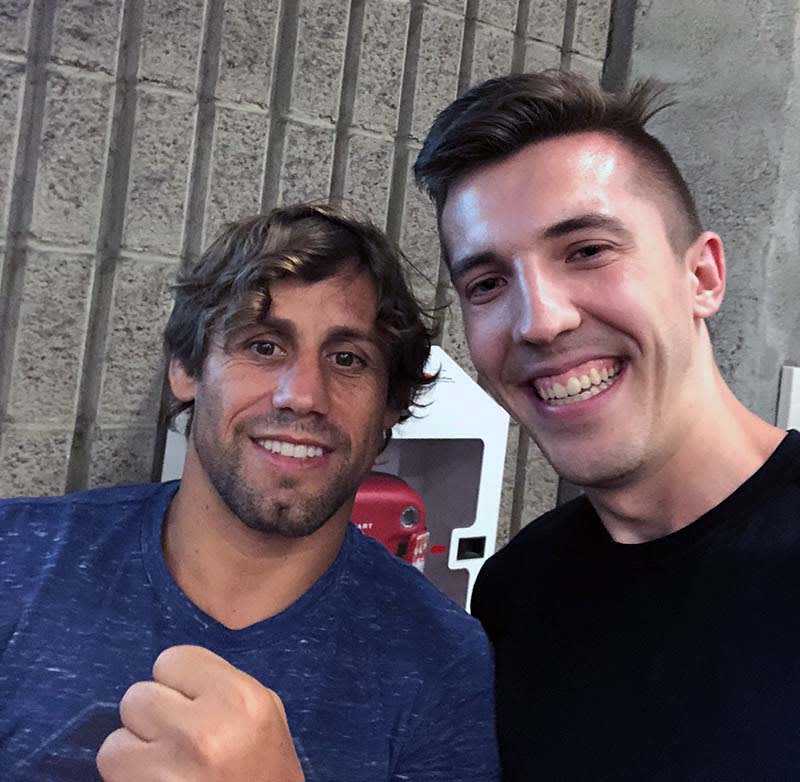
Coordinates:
<point>487,339</point>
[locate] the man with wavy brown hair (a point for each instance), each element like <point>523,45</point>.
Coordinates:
<point>647,630</point>
<point>251,632</point>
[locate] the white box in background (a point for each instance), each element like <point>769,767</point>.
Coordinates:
<point>789,399</point>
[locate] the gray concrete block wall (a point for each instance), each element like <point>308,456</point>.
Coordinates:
<point>131,130</point>
<point>735,71</point>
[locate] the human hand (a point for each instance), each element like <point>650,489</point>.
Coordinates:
<point>199,720</point>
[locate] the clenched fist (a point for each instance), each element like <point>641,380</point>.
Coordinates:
<point>199,720</point>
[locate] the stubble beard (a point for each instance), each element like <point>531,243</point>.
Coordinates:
<point>302,516</point>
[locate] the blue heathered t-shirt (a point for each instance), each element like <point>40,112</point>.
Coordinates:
<point>382,677</point>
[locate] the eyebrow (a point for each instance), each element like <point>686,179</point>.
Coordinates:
<point>581,222</point>
<point>562,228</point>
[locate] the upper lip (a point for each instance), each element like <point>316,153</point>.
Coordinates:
<point>549,369</point>
<point>283,438</point>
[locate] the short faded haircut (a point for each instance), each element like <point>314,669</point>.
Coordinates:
<point>499,117</point>
<point>228,289</point>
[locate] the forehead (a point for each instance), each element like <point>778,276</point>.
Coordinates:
<point>348,298</point>
<point>542,184</point>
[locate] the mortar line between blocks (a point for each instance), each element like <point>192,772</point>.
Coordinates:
<point>468,45</point>
<point>520,476</point>
<point>405,117</point>
<point>109,240</point>
<point>280,101</point>
<point>26,160</point>
<point>347,98</point>
<point>520,36</point>
<point>568,41</point>
<point>202,144</point>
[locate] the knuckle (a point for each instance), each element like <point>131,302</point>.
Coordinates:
<point>108,758</point>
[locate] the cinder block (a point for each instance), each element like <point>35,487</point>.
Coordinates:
<point>437,72</point>
<point>454,6</point>
<point>592,69</point>
<point>85,33</point>
<point>546,21</point>
<point>11,78</point>
<point>121,455</point>
<point>369,166</point>
<point>380,71</point>
<point>237,168</point>
<point>541,485</point>
<point>420,242</point>
<point>171,42</point>
<point>493,52</point>
<point>306,174</point>
<point>248,50</point>
<point>321,38</point>
<point>592,19</point>
<point>33,462</point>
<point>133,368</point>
<point>500,13</point>
<point>509,480</point>
<point>541,56</point>
<point>69,187</point>
<point>13,25</point>
<point>454,341</point>
<point>52,325</point>
<point>157,189</point>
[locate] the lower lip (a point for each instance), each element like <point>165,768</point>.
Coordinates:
<point>291,463</point>
<point>577,410</point>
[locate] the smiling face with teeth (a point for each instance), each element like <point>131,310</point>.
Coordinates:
<point>580,316</point>
<point>289,415</point>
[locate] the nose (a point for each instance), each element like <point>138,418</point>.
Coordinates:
<point>545,305</point>
<point>302,387</point>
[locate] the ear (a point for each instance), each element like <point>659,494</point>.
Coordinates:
<point>181,382</point>
<point>706,265</point>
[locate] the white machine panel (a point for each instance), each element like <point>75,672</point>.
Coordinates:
<point>789,399</point>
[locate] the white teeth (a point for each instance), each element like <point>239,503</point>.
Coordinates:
<point>573,386</point>
<point>594,376</point>
<point>593,391</point>
<point>290,449</point>
<point>585,382</point>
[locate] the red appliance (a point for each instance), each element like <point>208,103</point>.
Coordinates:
<point>389,510</point>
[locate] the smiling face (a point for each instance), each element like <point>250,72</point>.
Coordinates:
<point>580,317</point>
<point>290,415</point>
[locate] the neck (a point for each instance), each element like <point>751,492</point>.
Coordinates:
<point>717,451</point>
<point>237,575</point>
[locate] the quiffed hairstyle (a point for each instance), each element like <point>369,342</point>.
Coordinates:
<point>229,288</point>
<point>499,117</point>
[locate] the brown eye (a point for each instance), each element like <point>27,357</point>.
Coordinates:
<point>485,288</point>
<point>263,348</point>
<point>344,358</point>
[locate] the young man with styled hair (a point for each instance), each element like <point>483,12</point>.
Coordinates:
<point>234,625</point>
<point>647,630</point>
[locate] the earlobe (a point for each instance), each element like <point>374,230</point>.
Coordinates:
<point>181,382</point>
<point>707,267</point>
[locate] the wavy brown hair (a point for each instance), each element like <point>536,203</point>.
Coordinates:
<point>499,117</point>
<point>229,288</point>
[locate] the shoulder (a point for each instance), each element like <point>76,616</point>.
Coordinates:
<point>414,611</point>
<point>36,527</point>
<point>552,532</point>
<point>52,509</point>
<point>517,571</point>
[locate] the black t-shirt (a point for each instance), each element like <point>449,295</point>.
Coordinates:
<point>676,659</point>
